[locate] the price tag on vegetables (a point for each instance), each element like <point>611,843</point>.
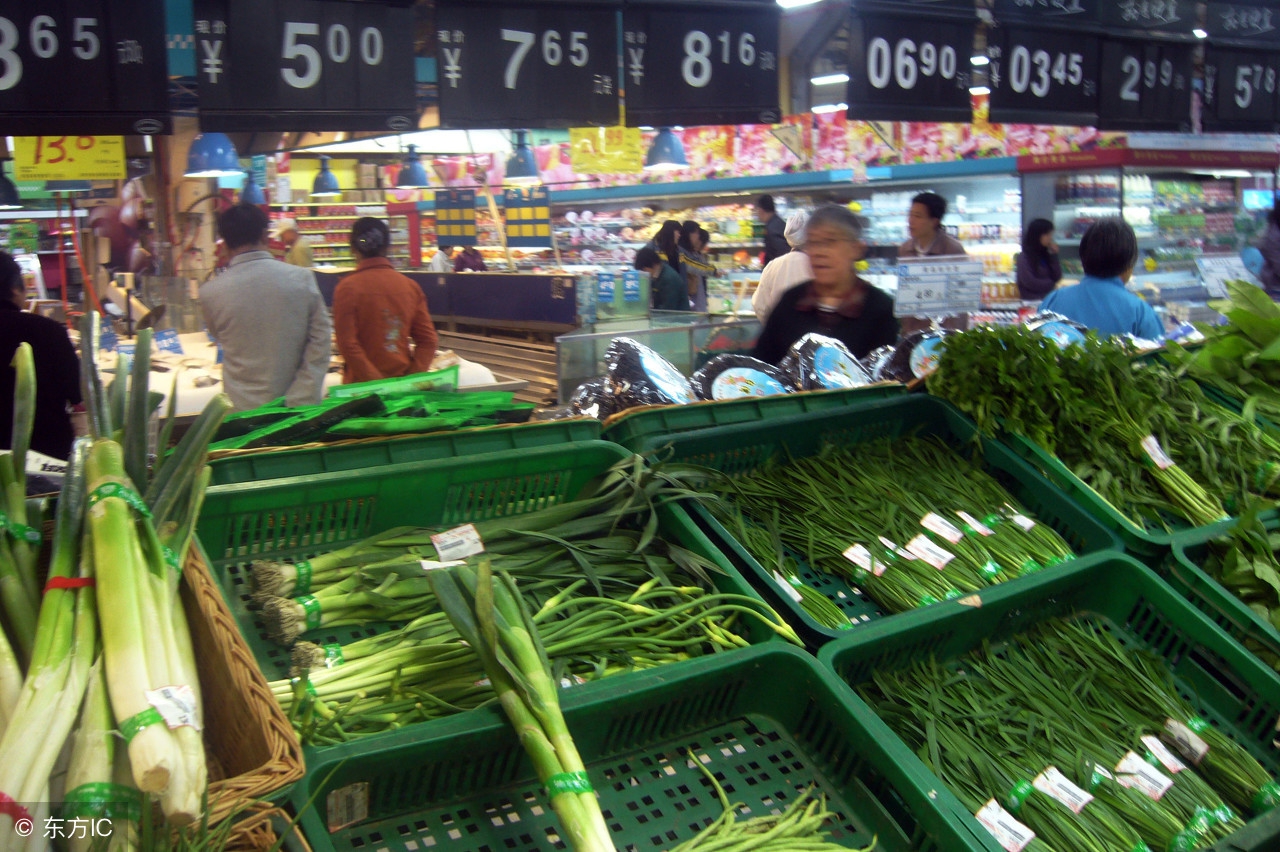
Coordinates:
<point>1053,783</point>
<point>177,705</point>
<point>1012,835</point>
<point>1186,739</point>
<point>458,543</point>
<point>1161,753</point>
<point>1133,771</point>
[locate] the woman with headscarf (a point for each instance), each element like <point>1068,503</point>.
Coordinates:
<point>377,312</point>
<point>783,273</point>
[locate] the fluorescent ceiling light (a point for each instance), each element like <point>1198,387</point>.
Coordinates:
<point>979,90</point>
<point>1199,33</point>
<point>829,79</point>
<point>980,59</point>
<point>821,108</point>
<point>795,4</point>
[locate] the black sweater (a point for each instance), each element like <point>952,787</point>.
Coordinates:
<point>57,379</point>
<point>875,327</point>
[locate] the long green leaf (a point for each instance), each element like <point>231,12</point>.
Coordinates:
<point>24,405</point>
<point>138,414</point>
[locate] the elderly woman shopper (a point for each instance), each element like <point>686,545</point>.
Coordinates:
<point>785,272</point>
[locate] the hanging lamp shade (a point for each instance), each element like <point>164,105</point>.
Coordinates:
<point>412,174</point>
<point>666,153</point>
<point>251,193</point>
<point>326,182</point>
<point>522,167</point>
<point>67,186</point>
<point>212,155</point>
<point>9,199</point>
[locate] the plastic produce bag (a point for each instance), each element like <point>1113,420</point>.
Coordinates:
<point>915,357</point>
<point>823,363</point>
<point>737,376</point>
<point>639,376</point>
<point>592,399</point>
<point>876,361</point>
<point>1058,328</point>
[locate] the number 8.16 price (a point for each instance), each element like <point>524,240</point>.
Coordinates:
<point>698,65</point>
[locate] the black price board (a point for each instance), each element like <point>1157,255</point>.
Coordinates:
<point>1055,12</point>
<point>1044,76</point>
<point>304,65</point>
<point>1164,16</point>
<point>1146,85</point>
<point>1244,22</point>
<point>1240,90</point>
<point>520,64</point>
<point>687,66</point>
<point>95,67</point>
<point>903,71</point>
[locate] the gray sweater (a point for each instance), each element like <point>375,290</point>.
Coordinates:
<point>274,329</point>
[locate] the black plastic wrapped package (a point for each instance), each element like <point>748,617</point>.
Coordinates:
<point>737,376</point>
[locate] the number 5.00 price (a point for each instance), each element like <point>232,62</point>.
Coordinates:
<point>337,44</point>
<point>552,51</point>
<point>43,39</point>
<point>906,62</point>
<point>1063,69</point>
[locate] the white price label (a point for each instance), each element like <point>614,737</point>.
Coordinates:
<point>939,525</point>
<point>1156,452</point>
<point>974,524</point>
<point>790,590</point>
<point>1053,783</point>
<point>1186,741</point>
<point>1132,771</point>
<point>938,286</point>
<point>458,543</point>
<point>1167,758</point>
<point>347,806</point>
<point>1023,521</point>
<point>433,565</point>
<point>177,705</point>
<point>931,553</point>
<point>859,555</point>
<point>897,551</point>
<point>1012,835</point>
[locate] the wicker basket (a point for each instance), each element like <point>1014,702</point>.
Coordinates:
<point>251,748</point>
<point>257,831</point>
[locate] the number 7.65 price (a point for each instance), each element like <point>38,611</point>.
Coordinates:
<point>553,51</point>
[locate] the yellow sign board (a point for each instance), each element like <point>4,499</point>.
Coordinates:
<point>68,158</point>
<point>606,150</point>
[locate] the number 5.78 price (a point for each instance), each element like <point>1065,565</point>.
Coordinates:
<point>553,51</point>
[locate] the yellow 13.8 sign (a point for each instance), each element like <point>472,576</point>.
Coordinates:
<point>38,158</point>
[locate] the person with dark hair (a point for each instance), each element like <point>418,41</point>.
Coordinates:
<point>693,262</point>
<point>836,302</point>
<point>667,243</point>
<point>470,260</point>
<point>441,262</point>
<point>57,368</point>
<point>1269,277</point>
<point>1108,253</point>
<point>667,292</point>
<point>268,317</point>
<point>775,240</point>
<point>924,223</point>
<point>377,311</point>
<point>1038,268</point>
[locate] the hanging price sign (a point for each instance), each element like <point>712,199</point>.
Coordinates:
<point>1044,76</point>
<point>1241,90</point>
<point>1146,85</point>
<point>902,71</point>
<point>38,158</point>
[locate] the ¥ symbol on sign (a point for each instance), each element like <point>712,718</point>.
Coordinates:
<point>453,65</point>
<point>212,59</point>
<point>636,66</point>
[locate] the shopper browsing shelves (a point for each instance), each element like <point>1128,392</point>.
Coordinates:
<point>790,270</point>
<point>1108,253</point>
<point>378,312</point>
<point>668,292</point>
<point>297,250</point>
<point>1038,268</point>
<point>924,222</point>
<point>1270,248</point>
<point>775,241</point>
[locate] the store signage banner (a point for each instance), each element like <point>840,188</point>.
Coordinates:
<point>1044,76</point>
<point>1215,272</point>
<point>455,217</point>
<point>40,158</point>
<point>1241,90</point>
<point>1169,17</point>
<point>528,214</point>
<point>1245,22</point>
<point>522,64</point>
<point>90,66</point>
<point>936,287</point>
<point>899,73</point>
<point>606,150</point>
<point>687,68</point>
<point>296,65</point>
<point>1146,85</point>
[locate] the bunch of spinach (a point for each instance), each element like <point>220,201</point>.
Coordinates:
<point>1092,407</point>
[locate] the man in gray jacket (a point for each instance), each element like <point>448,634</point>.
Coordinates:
<point>269,318</point>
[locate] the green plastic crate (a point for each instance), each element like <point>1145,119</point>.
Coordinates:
<point>279,464</point>
<point>743,448</point>
<point>768,721</point>
<point>1227,684</point>
<point>291,519</point>
<point>1151,546</point>
<point>650,428</point>
<point>1183,571</point>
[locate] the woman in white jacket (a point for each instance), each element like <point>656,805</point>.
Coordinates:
<point>783,273</point>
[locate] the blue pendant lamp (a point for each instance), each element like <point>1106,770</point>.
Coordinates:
<point>412,174</point>
<point>251,193</point>
<point>326,182</point>
<point>666,153</point>
<point>9,199</point>
<point>212,155</point>
<point>522,168</point>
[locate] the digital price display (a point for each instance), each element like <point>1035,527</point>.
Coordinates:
<point>311,65</point>
<point>1044,76</point>
<point>902,71</point>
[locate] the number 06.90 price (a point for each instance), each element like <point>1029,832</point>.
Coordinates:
<point>338,47</point>
<point>907,61</point>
